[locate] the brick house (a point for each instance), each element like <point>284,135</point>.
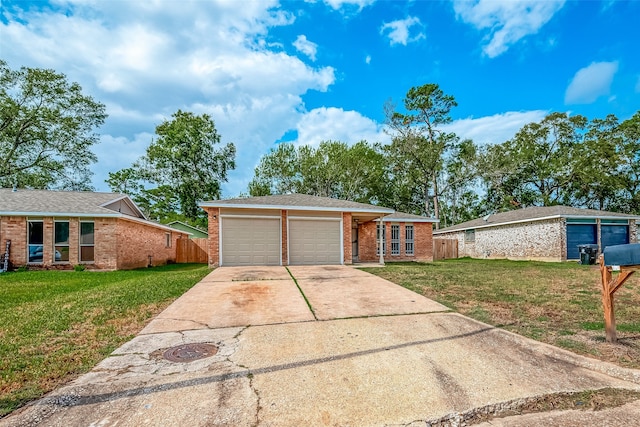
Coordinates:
<point>298,229</point>
<point>59,229</point>
<point>550,233</point>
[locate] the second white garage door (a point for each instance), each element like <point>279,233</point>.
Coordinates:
<point>250,241</point>
<point>314,242</point>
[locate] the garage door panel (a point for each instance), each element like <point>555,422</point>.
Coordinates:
<point>612,235</point>
<point>250,241</point>
<point>314,242</point>
<point>579,234</point>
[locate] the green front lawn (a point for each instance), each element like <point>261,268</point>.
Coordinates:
<point>56,325</point>
<point>558,303</point>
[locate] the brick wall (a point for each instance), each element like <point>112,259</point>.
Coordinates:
<point>214,236</point>
<point>422,238</point>
<point>136,241</point>
<point>14,229</point>
<point>118,243</point>
<point>346,238</point>
<point>534,240</point>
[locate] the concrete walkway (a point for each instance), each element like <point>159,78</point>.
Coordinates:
<point>277,366</point>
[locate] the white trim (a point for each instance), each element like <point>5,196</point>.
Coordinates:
<point>315,218</point>
<point>64,214</point>
<point>220,242</point>
<point>545,218</point>
<point>296,208</point>
<point>149,223</point>
<point>408,219</point>
<point>288,242</point>
<point>250,216</point>
<point>128,201</point>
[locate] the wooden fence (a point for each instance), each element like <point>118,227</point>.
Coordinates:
<point>192,250</point>
<point>445,249</point>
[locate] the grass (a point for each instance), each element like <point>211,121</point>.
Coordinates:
<point>557,303</point>
<point>57,325</point>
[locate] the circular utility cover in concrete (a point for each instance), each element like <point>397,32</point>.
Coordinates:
<point>189,352</point>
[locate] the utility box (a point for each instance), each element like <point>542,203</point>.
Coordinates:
<point>588,254</point>
<point>622,254</point>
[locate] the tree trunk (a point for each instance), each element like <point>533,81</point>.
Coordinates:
<point>436,207</point>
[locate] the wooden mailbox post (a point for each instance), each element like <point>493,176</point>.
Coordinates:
<point>609,288</point>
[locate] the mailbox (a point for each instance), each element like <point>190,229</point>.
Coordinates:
<point>622,254</point>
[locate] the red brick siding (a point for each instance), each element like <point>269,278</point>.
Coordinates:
<point>422,238</point>
<point>14,229</point>
<point>214,236</point>
<point>119,244</point>
<point>136,241</point>
<point>346,238</point>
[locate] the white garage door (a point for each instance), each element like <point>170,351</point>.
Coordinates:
<point>314,242</point>
<point>249,241</point>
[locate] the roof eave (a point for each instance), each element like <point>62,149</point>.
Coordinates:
<point>295,208</point>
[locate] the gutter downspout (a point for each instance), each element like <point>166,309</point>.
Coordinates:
<point>380,240</point>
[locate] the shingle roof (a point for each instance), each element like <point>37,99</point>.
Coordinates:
<point>534,213</point>
<point>407,217</point>
<point>39,202</point>
<point>296,201</point>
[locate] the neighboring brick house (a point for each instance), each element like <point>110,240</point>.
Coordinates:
<point>550,233</point>
<point>298,229</point>
<point>59,229</point>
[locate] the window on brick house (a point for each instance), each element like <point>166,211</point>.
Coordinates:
<point>470,236</point>
<point>384,240</point>
<point>167,240</point>
<point>395,239</point>
<point>61,241</point>
<point>408,240</point>
<point>87,242</point>
<point>35,241</point>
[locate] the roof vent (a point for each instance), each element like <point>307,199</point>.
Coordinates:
<point>486,217</point>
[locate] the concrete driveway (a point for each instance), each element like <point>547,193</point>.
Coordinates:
<point>377,355</point>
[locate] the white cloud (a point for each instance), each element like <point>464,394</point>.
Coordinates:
<point>494,129</point>
<point>367,59</point>
<point>339,4</point>
<point>322,124</point>
<point>145,60</point>
<point>591,82</point>
<point>305,46</point>
<point>506,21</point>
<point>398,31</point>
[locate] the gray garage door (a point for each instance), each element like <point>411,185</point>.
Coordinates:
<point>314,242</point>
<point>249,241</point>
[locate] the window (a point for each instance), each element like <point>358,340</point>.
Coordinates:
<point>384,240</point>
<point>167,240</point>
<point>469,236</point>
<point>395,239</point>
<point>61,241</point>
<point>35,240</point>
<point>408,239</point>
<point>86,242</point>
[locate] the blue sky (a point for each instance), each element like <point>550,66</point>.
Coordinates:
<point>308,71</point>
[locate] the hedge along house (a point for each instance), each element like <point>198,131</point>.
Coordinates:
<point>59,229</point>
<point>550,233</point>
<point>298,229</point>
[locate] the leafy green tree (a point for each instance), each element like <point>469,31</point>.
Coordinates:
<point>537,166</point>
<point>418,141</point>
<point>333,169</point>
<point>46,130</point>
<point>182,167</point>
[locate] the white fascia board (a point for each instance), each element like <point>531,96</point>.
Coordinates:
<point>64,214</point>
<point>128,201</point>
<point>431,220</point>
<point>385,211</point>
<point>520,221</point>
<point>151,224</point>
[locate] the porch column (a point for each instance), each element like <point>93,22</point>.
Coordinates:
<point>380,232</point>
